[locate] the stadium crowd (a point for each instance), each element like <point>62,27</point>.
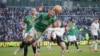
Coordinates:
<point>10,23</point>
<point>11,19</point>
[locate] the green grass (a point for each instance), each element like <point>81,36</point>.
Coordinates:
<point>8,51</point>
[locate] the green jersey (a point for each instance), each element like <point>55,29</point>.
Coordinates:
<point>73,30</point>
<point>29,21</point>
<point>43,22</point>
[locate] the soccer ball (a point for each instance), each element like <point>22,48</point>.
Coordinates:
<point>57,8</point>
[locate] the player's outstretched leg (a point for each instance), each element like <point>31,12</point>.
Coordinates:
<point>34,47</point>
<point>21,47</point>
<point>26,49</point>
<point>62,44</point>
<point>63,48</point>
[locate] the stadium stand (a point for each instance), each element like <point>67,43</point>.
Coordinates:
<point>12,16</point>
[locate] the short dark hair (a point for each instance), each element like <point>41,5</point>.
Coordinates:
<point>71,19</point>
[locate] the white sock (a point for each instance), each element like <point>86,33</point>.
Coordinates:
<point>16,51</point>
<point>95,47</point>
<point>49,46</point>
<point>22,51</point>
<point>62,53</point>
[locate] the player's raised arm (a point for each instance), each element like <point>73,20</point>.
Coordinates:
<point>23,25</point>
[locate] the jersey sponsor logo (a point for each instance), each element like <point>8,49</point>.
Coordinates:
<point>45,22</point>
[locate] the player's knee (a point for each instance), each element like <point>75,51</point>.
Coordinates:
<point>34,44</point>
<point>27,38</point>
<point>63,46</point>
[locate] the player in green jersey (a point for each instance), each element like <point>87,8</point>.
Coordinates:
<point>28,22</point>
<point>72,34</point>
<point>41,24</point>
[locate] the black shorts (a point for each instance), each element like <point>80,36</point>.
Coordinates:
<point>95,37</point>
<point>58,40</point>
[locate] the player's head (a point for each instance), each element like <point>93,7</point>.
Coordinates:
<point>51,13</point>
<point>72,20</point>
<point>96,20</point>
<point>57,23</point>
<point>33,11</point>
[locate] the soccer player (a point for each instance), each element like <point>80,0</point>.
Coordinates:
<point>57,36</point>
<point>48,33</point>
<point>41,24</point>
<point>28,22</point>
<point>94,31</point>
<point>71,34</point>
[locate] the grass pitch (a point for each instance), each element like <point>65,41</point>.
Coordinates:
<point>8,51</point>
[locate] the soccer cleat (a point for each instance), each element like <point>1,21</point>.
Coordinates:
<point>67,51</point>
<point>96,51</point>
<point>49,48</point>
<point>79,50</point>
<point>24,55</point>
<point>37,54</point>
